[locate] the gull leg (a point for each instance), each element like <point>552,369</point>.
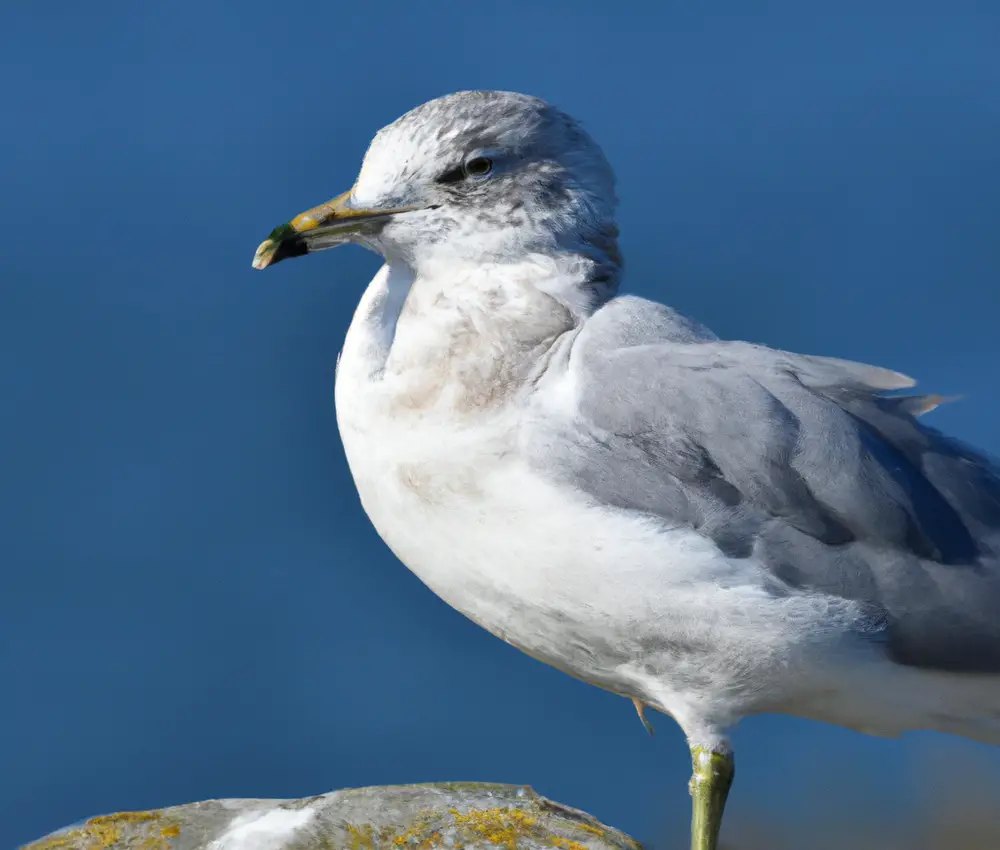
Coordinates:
<point>640,709</point>
<point>710,782</point>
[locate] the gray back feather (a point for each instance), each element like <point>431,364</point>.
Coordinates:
<point>800,462</point>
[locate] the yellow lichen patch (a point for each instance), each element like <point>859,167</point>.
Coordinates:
<point>123,818</point>
<point>429,842</point>
<point>162,841</point>
<point>566,843</point>
<point>498,826</point>
<point>361,837</point>
<point>122,830</point>
<point>586,827</point>
<point>416,835</point>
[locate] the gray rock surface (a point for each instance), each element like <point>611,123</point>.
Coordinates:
<point>468,815</point>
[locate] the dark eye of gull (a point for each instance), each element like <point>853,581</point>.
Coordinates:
<point>477,167</point>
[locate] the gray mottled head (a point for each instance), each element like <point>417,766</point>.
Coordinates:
<point>476,176</point>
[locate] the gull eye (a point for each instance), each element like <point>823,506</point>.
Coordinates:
<point>479,166</point>
<point>475,169</point>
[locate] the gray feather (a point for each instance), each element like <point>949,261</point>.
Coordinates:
<point>796,461</point>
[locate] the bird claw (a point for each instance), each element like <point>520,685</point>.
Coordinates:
<point>640,709</point>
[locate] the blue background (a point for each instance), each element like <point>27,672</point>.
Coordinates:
<point>192,602</point>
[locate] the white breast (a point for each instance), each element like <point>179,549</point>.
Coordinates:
<point>488,535</point>
<point>448,492</point>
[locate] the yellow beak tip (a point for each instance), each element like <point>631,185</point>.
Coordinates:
<point>265,254</point>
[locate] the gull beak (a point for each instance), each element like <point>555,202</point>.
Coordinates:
<point>336,222</point>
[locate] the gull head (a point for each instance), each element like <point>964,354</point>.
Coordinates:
<point>477,176</point>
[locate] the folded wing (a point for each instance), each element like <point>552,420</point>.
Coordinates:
<point>799,462</point>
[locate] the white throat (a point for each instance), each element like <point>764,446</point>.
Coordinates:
<point>463,337</point>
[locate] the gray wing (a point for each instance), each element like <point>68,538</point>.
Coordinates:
<point>801,462</point>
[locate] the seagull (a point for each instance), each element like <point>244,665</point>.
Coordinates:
<point>710,528</point>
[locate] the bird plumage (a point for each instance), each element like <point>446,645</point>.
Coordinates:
<point>711,528</point>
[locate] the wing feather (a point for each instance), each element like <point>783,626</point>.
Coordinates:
<point>800,462</point>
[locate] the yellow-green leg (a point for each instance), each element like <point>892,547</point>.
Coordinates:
<point>710,781</point>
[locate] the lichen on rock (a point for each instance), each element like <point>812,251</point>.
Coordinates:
<point>453,816</point>
<point>124,830</point>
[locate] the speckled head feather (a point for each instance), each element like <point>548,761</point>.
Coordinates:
<point>545,184</point>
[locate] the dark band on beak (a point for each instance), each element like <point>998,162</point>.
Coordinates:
<point>290,243</point>
<point>325,226</point>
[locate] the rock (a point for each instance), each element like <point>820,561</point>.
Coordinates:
<point>468,815</point>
